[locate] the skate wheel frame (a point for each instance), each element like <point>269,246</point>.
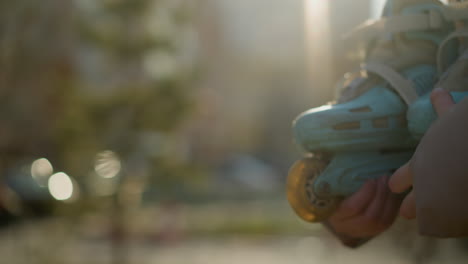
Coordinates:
<point>300,193</point>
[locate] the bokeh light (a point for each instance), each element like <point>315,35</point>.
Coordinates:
<point>107,164</point>
<point>41,169</point>
<point>60,186</point>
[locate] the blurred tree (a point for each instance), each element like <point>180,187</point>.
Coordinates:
<point>36,71</point>
<point>124,98</point>
<point>80,77</point>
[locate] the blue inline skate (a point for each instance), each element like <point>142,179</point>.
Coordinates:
<point>369,131</point>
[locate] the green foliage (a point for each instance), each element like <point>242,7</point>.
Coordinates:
<point>74,82</point>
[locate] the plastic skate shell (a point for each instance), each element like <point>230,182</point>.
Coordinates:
<point>375,120</point>
<point>421,113</point>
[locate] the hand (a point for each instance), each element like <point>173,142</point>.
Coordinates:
<point>366,213</point>
<point>402,179</point>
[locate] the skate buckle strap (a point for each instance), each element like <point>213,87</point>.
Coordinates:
<point>401,85</point>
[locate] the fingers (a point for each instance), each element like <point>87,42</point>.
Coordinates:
<point>441,100</point>
<point>392,204</point>
<point>358,202</point>
<point>376,209</point>
<point>402,179</point>
<point>371,221</point>
<point>408,207</point>
<point>377,205</point>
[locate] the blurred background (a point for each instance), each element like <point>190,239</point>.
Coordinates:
<point>158,131</point>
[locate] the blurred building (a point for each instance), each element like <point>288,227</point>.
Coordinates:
<point>262,62</point>
<point>251,73</point>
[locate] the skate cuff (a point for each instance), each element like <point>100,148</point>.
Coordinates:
<point>442,64</point>
<point>372,29</point>
<point>433,19</point>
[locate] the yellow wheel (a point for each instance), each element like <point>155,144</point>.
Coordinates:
<point>300,191</point>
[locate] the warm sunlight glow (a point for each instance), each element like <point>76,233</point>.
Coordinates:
<point>319,46</point>
<point>376,8</point>
<point>317,18</point>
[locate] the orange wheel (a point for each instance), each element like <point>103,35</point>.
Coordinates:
<point>300,191</point>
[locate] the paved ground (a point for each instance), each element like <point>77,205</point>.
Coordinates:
<point>14,249</point>
<point>218,241</point>
<point>289,250</point>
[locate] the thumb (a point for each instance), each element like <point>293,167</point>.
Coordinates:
<point>402,179</point>
<point>441,100</point>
